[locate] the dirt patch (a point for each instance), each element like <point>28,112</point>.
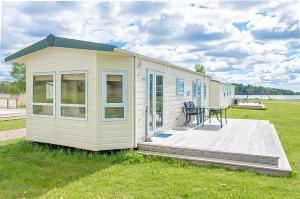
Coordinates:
<point>12,134</point>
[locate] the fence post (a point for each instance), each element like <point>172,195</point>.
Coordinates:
<point>7,103</point>
<point>17,102</point>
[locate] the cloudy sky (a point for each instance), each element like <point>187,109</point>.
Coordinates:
<point>254,42</point>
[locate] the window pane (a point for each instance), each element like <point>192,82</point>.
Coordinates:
<point>78,112</point>
<point>159,101</point>
<point>114,112</point>
<point>151,101</point>
<point>180,86</point>
<point>42,110</point>
<point>43,88</point>
<point>114,89</point>
<point>199,90</point>
<point>194,88</point>
<point>73,88</point>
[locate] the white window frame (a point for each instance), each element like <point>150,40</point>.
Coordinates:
<point>179,93</point>
<point>194,88</point>
<point>73,105</point>
<point>124,103</point>
<point>204,90</point>
<point>199,86</point>
<point>43,104</point>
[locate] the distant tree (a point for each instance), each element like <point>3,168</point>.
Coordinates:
<point>18,75</point>
<point>4,87</point>
<point>241,89</point>
<point>200,68</point>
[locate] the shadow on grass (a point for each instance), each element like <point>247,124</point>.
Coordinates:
<point>31,169</point>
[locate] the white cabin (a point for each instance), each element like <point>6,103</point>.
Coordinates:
<point>221,94</point>
<point>100,97</point>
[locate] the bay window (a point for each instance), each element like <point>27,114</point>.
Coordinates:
<point>74,95</point>
<point>114,93</point>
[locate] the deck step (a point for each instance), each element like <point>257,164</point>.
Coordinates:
<point>203,161</point>
<point>205,153</point>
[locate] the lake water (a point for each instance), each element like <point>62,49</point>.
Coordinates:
<point>278,97</point>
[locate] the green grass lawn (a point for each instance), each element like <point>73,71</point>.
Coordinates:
<point>30,170</point>
<point>12,124</point>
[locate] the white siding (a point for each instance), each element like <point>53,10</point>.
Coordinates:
<point>93,133</point>
<point>172,104</point>
<point>57,130</point>
<point>215,92</point>
<point>217,98</point>
<point>116,134</point>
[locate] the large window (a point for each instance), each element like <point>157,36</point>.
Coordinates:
<point>114,92</point>
<point>43,94</point>
<point>73,95</point>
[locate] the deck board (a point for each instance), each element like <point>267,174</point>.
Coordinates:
<point>247,136</point>
<point>253,141</point>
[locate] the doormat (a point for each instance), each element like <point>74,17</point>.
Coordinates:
<point>164,135</point>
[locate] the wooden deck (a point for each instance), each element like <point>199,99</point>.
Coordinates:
<point>250,144</point>
<point>254,106</point>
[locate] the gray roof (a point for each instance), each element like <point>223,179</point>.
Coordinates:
<point>54,41</point>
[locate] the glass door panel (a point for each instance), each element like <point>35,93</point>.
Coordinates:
<point>154,102</point>
<point>159,101</point>
<point>150,105</point>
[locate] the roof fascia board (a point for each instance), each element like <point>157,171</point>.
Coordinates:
<point>28,50</point>
<point>159,61</point>
<point>51,40</point>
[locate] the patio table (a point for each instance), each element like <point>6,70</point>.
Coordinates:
<point>217,111</point>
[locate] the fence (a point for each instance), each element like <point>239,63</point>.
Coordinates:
<point>9,103</point>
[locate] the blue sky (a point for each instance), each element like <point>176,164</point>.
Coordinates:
<point>254,42</point>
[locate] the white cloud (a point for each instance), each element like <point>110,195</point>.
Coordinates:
<point>184,33</point>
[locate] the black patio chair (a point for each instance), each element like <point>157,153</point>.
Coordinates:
<point>190,110</point>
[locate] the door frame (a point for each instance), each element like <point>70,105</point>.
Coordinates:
<point>149,133</point>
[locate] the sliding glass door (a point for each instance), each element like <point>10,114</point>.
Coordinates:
<point>155,102</point>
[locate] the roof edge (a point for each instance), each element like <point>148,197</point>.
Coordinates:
<point>53,41</point>
<point>160,62</point>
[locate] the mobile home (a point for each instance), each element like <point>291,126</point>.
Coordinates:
<point>221,94</point>
<point>99,97</point>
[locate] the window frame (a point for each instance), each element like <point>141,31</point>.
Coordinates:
<point>194,88</point>
<point>199,89</point>
<point>204,90</point>
<point>124,103</point>
<point>44,104</point>
<point>179,93</point>
<point>73,105</point>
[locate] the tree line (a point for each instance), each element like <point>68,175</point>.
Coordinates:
<point>18,85</point>
<point>241,89</point>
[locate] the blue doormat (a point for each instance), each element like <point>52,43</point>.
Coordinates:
<point>164,135</point>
